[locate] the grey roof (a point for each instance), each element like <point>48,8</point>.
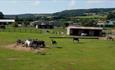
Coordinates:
<point>43,22</point>
<point>7,20</point>
<point>74,27</point>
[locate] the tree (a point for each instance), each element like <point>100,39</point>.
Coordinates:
<point>111,16</point>
<point>66,24</point>
<point>1,15</point>
<point>88,22</point>
<point>16,18</point>
<point>16,23</point>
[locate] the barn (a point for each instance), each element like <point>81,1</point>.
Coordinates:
<point>88,31</point>
<point>43,24</point>
<point>4,22</point>
<point>108,23</point>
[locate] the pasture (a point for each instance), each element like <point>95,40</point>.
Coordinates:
<point>89,54</point>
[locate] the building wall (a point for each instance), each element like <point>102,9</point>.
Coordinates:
<point>45,26</point>
<point>88,32</point>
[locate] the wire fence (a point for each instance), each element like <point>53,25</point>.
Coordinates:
<point>23,30</point>
<point>34,30</point>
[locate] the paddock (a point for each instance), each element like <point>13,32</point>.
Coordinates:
<point>89,54</point>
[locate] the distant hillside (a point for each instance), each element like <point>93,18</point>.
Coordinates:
<point>84,12</point>
<point>26,15</point>
<point>68,13</point>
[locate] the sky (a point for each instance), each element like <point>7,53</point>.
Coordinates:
<point>50,6</point>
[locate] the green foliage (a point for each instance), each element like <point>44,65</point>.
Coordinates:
<point>111,16</point>
<point>66,24</point>
<point>15,24</point>
<point>91,17</point>
<point>82,12</point>
<point>88,22</point>
<point>1,15</point>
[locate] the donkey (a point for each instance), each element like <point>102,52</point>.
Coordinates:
<point>110,38</point>
<point>54,42</point>
<point>75,39</point>
<point>37,44</point>
<point>19,42</point>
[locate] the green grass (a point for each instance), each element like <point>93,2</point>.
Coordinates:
<point>98,17</point>
<point>31,30</point>
<point>87,55</point>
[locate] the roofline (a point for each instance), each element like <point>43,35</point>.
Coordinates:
<point>97,28</point>
<point>7,20</point>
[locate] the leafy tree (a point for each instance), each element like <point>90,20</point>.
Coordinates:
<point>15,24</point>
<point>16,18</point>
<point>25,23</point>
<point>66,24</point>
<point>111,16</point>
<point>1,15</point>
<point>88,22</point>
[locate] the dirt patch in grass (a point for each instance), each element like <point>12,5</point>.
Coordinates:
<point>18,48</point>
<point>26,49</point>
<point>15,59</point>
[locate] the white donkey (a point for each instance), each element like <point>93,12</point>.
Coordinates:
<point>27,43</point>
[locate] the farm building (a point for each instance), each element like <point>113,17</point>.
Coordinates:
<point>4,22</point>
<point>108,23</point>
<point>87,31</point>
<point>43,24</point>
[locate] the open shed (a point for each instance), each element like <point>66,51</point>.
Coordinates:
<point>43,24</point>
<point>4,22</point>
<point>89,31</point>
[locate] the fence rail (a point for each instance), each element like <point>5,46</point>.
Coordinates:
<point>20,30</point>
<point>33,30</point>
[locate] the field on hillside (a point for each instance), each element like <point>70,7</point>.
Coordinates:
<point>89,54</point>
<point>91,17</point>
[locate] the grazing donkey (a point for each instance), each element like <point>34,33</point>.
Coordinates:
<point>19,42</point>
<point>75,39</point>
<point>110,38</point>
<point>37,44</point>
<point>54,42</point>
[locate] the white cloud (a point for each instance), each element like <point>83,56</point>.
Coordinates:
<point>36,2</point>
<point>95,1</point>
<point>54,1</point>
<point>14,1</point>
<point>72,4</point>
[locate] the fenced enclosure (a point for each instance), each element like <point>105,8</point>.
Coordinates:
<point>56,31</point>
<point>25,30</point>
<point>34,30</point>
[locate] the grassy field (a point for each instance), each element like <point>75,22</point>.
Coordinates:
<point>87,55</point>
<point>91,17</point>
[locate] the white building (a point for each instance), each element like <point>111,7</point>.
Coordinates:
<point>7,20</point>
<point>4,22</point>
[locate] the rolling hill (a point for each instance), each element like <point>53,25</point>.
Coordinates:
<point>68,13</point>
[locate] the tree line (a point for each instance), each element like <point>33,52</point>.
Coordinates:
<point>62,20</point>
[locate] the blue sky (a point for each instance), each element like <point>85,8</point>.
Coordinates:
<point>51,6</point>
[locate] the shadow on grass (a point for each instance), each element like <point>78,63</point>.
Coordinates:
<point>111,46</point>
<point>79,42</point>
<point>59,47</point>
